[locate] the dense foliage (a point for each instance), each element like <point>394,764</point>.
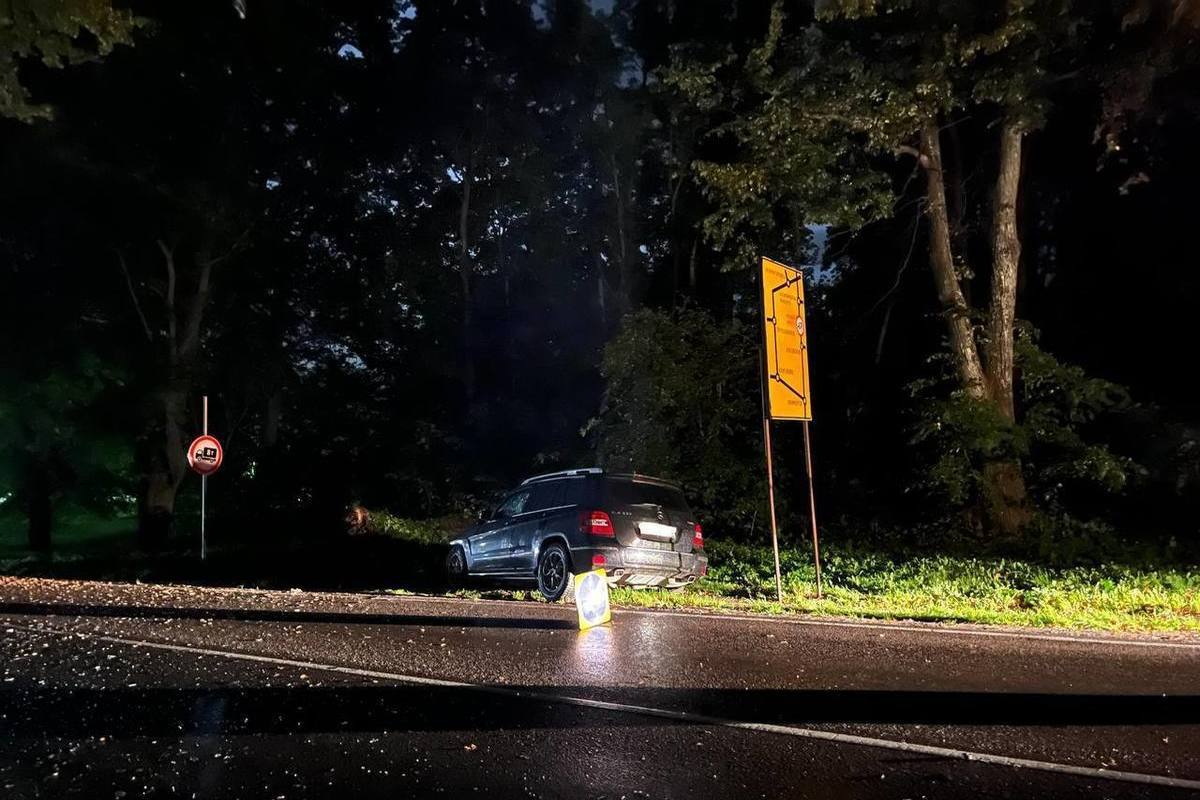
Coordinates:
<point>416,250</point>
<point>1059,437</point>
<point>54,33</point>
<point>682,400</point>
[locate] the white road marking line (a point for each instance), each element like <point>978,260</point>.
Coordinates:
<point>927,628</point>
<point>900,626</point>
<point>832,623</point>
<point>661,713</point>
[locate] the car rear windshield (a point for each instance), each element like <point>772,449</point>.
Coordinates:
<point>634,493</point>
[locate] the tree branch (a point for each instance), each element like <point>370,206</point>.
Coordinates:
<point>909,150</point>
<point>195,313</point>
<point>916,227</point>
<point>169,260</point>
<point>233,248</point>
<point>191,337</point>
<point>137,305</point>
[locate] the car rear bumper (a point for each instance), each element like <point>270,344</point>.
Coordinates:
<point>635,566</point>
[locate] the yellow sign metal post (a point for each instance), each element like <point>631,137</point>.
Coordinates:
<point>786,394</point>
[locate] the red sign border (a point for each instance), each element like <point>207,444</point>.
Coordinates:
<point>192,449</point>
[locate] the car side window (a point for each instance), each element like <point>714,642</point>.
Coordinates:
<point>544,495</point>
<point>573,492</point>
<point>514,504</point>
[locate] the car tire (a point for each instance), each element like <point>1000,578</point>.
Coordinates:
<point>554,576</point>
<point>456,566</point>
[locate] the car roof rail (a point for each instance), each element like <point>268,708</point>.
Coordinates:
<point>643,478</point>
<point>566,473</point>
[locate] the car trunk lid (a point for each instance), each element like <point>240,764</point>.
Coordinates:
<point>649,515</point>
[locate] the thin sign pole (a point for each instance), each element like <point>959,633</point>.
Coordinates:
<point>766,415</point>
<point>812,511</point>
<point>771,497</point>
<point>204,493</point>
<point>203,498</point>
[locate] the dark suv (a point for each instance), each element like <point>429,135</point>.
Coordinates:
<point>638,529</point>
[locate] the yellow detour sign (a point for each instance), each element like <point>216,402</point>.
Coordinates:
<point>786,339</point>
<point>591,599</point>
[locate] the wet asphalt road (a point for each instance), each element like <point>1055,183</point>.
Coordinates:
<point>135,691</point>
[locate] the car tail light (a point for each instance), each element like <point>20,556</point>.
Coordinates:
<point>697,536</point>
<point>598,561</point>
<point>597,523</point>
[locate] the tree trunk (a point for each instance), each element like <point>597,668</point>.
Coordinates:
<point>40,507</point>
<point>1006,501</point>
<point>883,329</point>
<point>625,295</point>
<point>1006,255</point>
<point>941,260</point>
<point>464,272</point>
<point>956,204</point>
<point>502,263</point>
<point>272,419</point>
<point>601,292</point>
<point>156,515</point>
<point>167,461</point>
<point>692,267</point>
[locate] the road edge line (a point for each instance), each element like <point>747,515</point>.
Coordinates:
<point>906,626</point>
<point>661,713</point>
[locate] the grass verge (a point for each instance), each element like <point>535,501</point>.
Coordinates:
<point>866,583</point>
<point>859,582</point>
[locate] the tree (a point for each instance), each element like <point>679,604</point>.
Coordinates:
<point>54,33</point>
<point>681,402</point>
<point>151,218</point>
<point>826,107</point>
<point>468,149</point>
<point>174,339</point>
<point>52,440</point>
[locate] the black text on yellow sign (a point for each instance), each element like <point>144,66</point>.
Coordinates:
<point>786,341</point>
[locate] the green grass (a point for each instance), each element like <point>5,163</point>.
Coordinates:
<point>867,583</point>
<point>859,580</point>
<point>861,583</point>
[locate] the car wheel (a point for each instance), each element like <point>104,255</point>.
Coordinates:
<point>554,576</point>
<point>456,566</point>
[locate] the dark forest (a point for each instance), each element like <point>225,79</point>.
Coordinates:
<point>416,251</point>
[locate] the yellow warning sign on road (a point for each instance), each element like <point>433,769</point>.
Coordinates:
<point>786,341</point>
<point>591,599</point>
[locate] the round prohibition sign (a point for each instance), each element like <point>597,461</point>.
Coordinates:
<point>205,455</point>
